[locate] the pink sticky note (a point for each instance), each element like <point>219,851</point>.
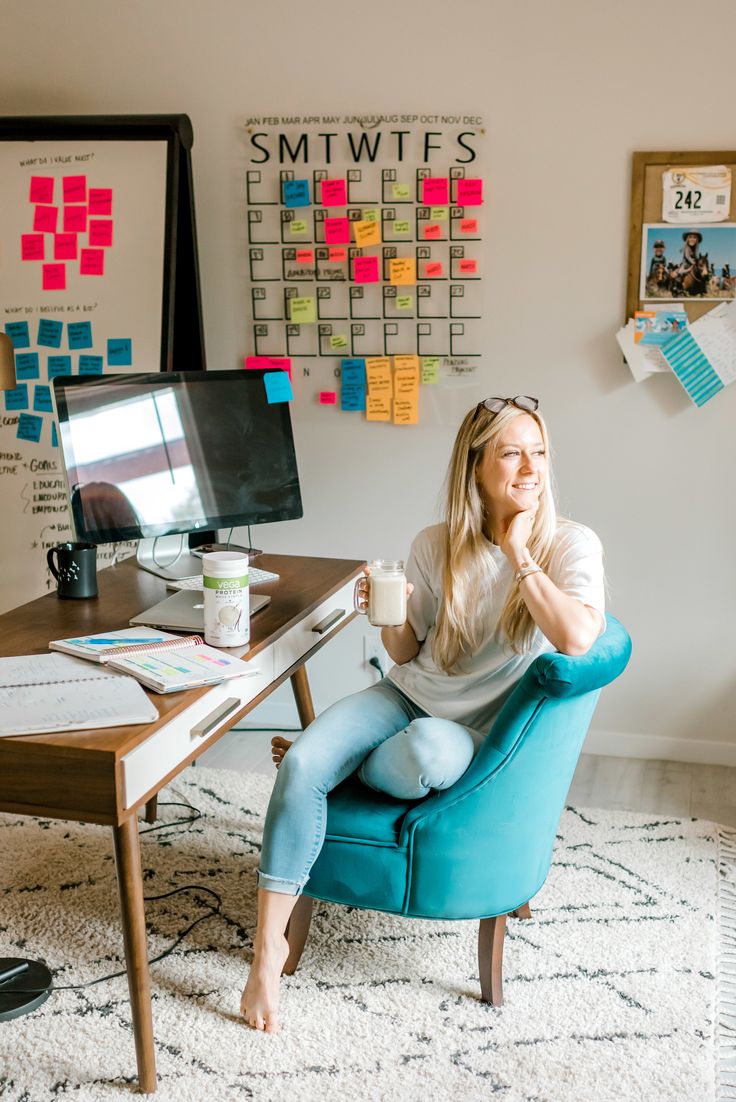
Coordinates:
<point>435,191</point>
<point>269,363</point>
<point>42,189</point>
<point>45,219</point>
<point>75,189</point>
<point>365,269</point>
<point>100,200</point>
<point>327,397</point>
<point>92,262</point>
<point>75,219</point>
<point>468,267</point>
<point>334,193</point>
<point>432,231</point>
<point>54,277</point>
<point>65,246</point>
<point>470,193</point>
<point>100,231</point>
<point>433,269</point>
<point>337,231</point>
<point>469,225</point>
<point>31,246</point>
<point>305,256</point>
<point>338,256</point>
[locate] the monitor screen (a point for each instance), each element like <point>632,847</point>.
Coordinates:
<point>156,455</point>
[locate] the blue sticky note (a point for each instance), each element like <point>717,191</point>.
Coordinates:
<point>26,365</point>
<point>352,391</point>
<point>42,399</point>
<point>296,193</point>
<point>353,372</point>
<point>29,427</point>
<point>59,365</point>
<point>278,387</point>
<point>17,398</point>
<point>352,397</point>
<point>54,436</point>
<point>49,333</point>
<point>80,334</point>
<point>120,352</point>
<point>90,365</point>
<point>18,333</point>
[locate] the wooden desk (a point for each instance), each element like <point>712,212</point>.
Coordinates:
<point>105,776</point>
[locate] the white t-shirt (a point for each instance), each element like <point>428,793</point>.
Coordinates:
<point>475,695</point>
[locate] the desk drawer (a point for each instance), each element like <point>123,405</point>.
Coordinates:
<point>302,637</point>
<point>145,766</point>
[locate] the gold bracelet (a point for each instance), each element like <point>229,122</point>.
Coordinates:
<point>525,571</point>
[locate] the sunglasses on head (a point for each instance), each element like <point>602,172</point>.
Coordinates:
<point>495,405</point>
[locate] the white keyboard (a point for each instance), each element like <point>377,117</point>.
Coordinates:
<point>255,577</point>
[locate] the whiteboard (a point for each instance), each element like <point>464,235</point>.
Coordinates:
<point>82,254</point>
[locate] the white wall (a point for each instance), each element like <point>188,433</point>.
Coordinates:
<point>569,88</point>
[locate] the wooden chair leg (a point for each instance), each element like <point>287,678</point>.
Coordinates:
<point>524,911</point>
<point>297,932</point>
<point>491,933</point>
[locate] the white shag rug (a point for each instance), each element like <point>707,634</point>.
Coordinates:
<point>611,989</point>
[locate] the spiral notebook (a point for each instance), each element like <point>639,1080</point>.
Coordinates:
<point>107,645</point>
<point>40,693</point>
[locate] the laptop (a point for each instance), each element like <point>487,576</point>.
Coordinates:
<point>184,611</point>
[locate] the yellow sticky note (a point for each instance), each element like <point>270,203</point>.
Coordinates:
<point>298,226</point>
<point>438,214</point>
<point>400,191</point>
<point>370,216</point>
<point>303,310</point>
<point>339,341</point>
<point>367,233</point>
<point>378,407</point>
<point>402,270</point>
<point>404,302</point>
<point>401,225</point>
<point>378,376</point>
<point>430,369</point>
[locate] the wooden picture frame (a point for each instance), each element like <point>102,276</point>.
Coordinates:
<point>646,207</point>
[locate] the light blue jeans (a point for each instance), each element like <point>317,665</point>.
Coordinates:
<point>395,747</point>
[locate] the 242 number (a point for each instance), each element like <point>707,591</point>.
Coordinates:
<point>688,200</point>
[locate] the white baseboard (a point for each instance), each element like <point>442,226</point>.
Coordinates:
<point>659,748</point>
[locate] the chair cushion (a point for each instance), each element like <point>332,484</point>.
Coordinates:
<point>359,813</point>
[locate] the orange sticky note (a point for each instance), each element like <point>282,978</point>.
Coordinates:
<point>378,407</point>
<point>378,375</point>
<point>433,269</point>
<point>367,233</point>
<point>305,256</point>
<point>402,270</point>
<point>338,256</point>
<point>468,225</point>
<point>327,397</point>
<point>432,231</point>
<point>468,267</point>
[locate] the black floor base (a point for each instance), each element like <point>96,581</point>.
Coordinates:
<point>24,992</point>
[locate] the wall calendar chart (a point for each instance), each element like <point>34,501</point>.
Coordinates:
<point>365,256</point>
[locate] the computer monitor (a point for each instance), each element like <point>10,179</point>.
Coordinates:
<point>152,456</point>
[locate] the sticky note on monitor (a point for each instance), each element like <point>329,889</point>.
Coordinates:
<point>278,387</point>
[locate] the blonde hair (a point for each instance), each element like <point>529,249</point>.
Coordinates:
<point>470,571</point>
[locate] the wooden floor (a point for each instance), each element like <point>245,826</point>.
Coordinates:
<point>631,784</point>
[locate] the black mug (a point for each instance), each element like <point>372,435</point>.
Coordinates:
<point>75,569</point>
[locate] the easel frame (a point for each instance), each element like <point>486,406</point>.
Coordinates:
<point>646,207</point>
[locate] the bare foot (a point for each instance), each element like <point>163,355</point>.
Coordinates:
<point>259,1003</point>
<point>279,746</point>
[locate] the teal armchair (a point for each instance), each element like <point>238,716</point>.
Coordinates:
<point>481,849</point>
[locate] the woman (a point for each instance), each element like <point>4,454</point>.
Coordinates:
<point>498,583</point>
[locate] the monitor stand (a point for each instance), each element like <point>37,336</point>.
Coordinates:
<point>167,557</point>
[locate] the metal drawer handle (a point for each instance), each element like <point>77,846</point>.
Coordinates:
<point>215,718</point>
<point>329,621</point>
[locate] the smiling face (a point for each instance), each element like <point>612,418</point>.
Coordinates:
<point>512,474</point>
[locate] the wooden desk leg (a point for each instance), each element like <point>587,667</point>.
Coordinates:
<point>152,810</point>
<point>303,696</point>
<point>130,887</point>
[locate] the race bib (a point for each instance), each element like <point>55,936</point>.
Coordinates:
<point>695,195</point>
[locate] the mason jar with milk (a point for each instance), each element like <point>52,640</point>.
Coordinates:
<point>386,606</point>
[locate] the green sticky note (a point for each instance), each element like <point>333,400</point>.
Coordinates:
<point>400,191</point>
<point>303,310</point>
<point>430,369</point>
<point>339,341</point>
<point>404,302</point>
<point>438,214</point>
<point>298,226</point>
<point>370,215</point>
<point>402,226</point>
